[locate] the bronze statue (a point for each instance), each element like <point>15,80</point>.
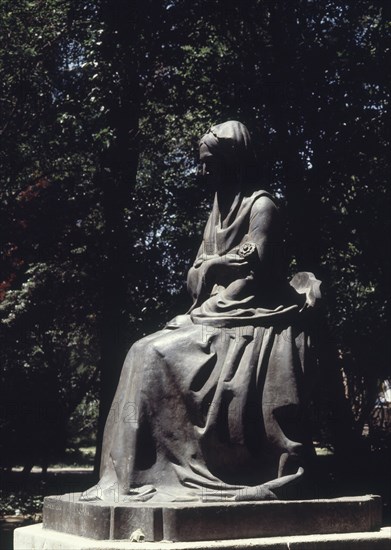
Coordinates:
<point>214,405</point>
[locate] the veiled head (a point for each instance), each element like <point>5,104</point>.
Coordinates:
<point>227,146</point>
<point>230,140</point>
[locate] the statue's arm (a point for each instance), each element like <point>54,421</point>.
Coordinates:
<point>210,269</point>
<point>265,233</point>
<point>193,277</point>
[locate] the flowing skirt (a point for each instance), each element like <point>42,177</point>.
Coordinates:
<point>207,413</point>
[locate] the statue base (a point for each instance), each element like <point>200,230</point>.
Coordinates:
<point>34,537</point>
<point>181,521</point>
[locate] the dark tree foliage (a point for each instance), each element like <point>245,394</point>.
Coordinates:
<point>50,226</point>
<point>308,78</point>
<point>95,250</point>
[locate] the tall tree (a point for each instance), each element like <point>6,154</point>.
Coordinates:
<point>95,256</point>
<point>117,86</point>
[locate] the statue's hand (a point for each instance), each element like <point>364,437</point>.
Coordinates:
<point>205,258</point>
<point>213,262</point>
<point>234,263</point>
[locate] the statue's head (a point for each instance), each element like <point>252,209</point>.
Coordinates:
<point>226,148</point>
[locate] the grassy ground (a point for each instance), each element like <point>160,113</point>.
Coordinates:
<point>21,495</point>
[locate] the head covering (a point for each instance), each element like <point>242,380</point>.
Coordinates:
<point>231,141</point>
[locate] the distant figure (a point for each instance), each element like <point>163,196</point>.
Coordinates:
<point>213,407</point>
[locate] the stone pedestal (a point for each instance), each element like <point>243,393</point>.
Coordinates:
<point>349,523</point>
<point>36,538</point>
<point>211,521</point>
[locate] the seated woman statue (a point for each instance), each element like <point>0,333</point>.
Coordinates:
<point>213,407</point>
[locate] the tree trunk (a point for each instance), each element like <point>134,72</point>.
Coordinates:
<point>117,179</point>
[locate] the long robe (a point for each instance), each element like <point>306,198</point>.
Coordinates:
<point>214,405</point>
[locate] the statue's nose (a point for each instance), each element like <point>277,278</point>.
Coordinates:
<point>203,169</point>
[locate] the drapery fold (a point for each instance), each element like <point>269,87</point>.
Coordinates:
<point>214,405</point>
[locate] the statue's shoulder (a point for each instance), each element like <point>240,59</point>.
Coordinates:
<point>262,202</point>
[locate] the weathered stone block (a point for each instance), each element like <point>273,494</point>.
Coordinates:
<point>214,521</point>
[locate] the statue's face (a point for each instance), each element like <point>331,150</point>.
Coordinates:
<point>210,164</point>
<point>220,174</point>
